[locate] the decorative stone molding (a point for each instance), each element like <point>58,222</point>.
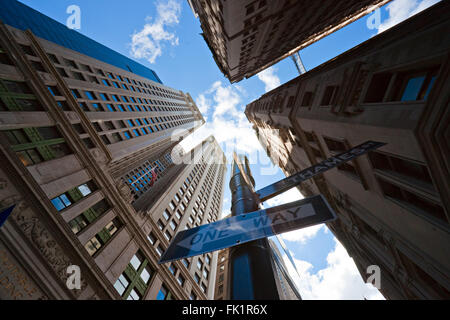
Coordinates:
<point>124,191</point>
<point>33,228</point>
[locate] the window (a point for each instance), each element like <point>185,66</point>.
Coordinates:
<point>172,205</point>
<point>134,295</point>
<point>35,145</point>
<point>136,261</point>
<point>160,250</point>
<point>193,296</point>
<point>413,202</point>
<point>186,263</point>
<point>180,279</point>
<point>151,238</point>
<point>173,269</point>
<point>205,273</point>
<point>414,85</point>
<point>330,96</point>
<point>133,282</point>
<point>336,147</point>
<point>90,95</point>
<point>163,293</point>
<point>166,214</point>
<point>121,284</point>
<point>197,278</point>
<point>83,220</point>
<point>173,225</point>
<point>203,287</point>
<point>199,264</point>
<point>378,87</point>
<point>101,238</point>
<point>68,198</point>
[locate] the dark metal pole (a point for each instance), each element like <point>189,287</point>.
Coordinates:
<point>251,273</point>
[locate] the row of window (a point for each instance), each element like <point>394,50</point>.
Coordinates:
<point>106,77</point>
<point>404,181</point>
<point>411,85</point>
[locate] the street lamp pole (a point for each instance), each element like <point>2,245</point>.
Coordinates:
<point>251,270</point>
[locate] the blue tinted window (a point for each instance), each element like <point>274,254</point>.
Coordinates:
<point>162,294</point>
<point>127,135</point>
<point>130,123</point>
<point>124,86</point>
<point>149,129</point>
<point>103,96</point>
<point>59,205</point>
<point>121,108</point>
<point>110,75</point>
<point>75,93</point>
<point>111,108</point>
<point>412,88</point>
<point>136,133</point>
<point>145,121</point>
<point>116,85</point>
<point>51,91</point>
<point>115,98</point>
<point>138,122</point>
<point>143,131</point>
<point>97,106</point>
<point>105,82</point>
<point>429,87</point>
<point>130,108</point>
<point>124,99</point>
<point>132,99</point>
<point>137,107</point>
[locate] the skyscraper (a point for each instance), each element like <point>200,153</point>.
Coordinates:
<point>247,36</point>
<point>286,288</point>
<point>392,204</point>
<point>85,135</point>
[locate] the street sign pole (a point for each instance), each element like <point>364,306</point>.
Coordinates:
<point>250,268</point>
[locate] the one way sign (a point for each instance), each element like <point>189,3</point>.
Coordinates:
<point>247,227</point>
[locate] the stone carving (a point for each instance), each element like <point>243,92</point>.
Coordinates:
<point>124,191</point>
<point>34,229</point>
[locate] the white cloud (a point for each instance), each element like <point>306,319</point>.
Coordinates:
<point>340,280</point>
<point>400,10</point>
<point>227,122</point>
<point>148,43</point>
<point>303,235</point>
<point>270,79</point>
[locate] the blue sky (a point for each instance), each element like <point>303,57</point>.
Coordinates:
<point>165,36</point>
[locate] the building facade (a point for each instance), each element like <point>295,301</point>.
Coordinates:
<point>81,142</point>
<point>247,36</point>
<point>392,204</point>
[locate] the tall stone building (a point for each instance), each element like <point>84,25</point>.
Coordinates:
<point>247,36</point>
<point>87,142</point>
<point>393,204</point>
